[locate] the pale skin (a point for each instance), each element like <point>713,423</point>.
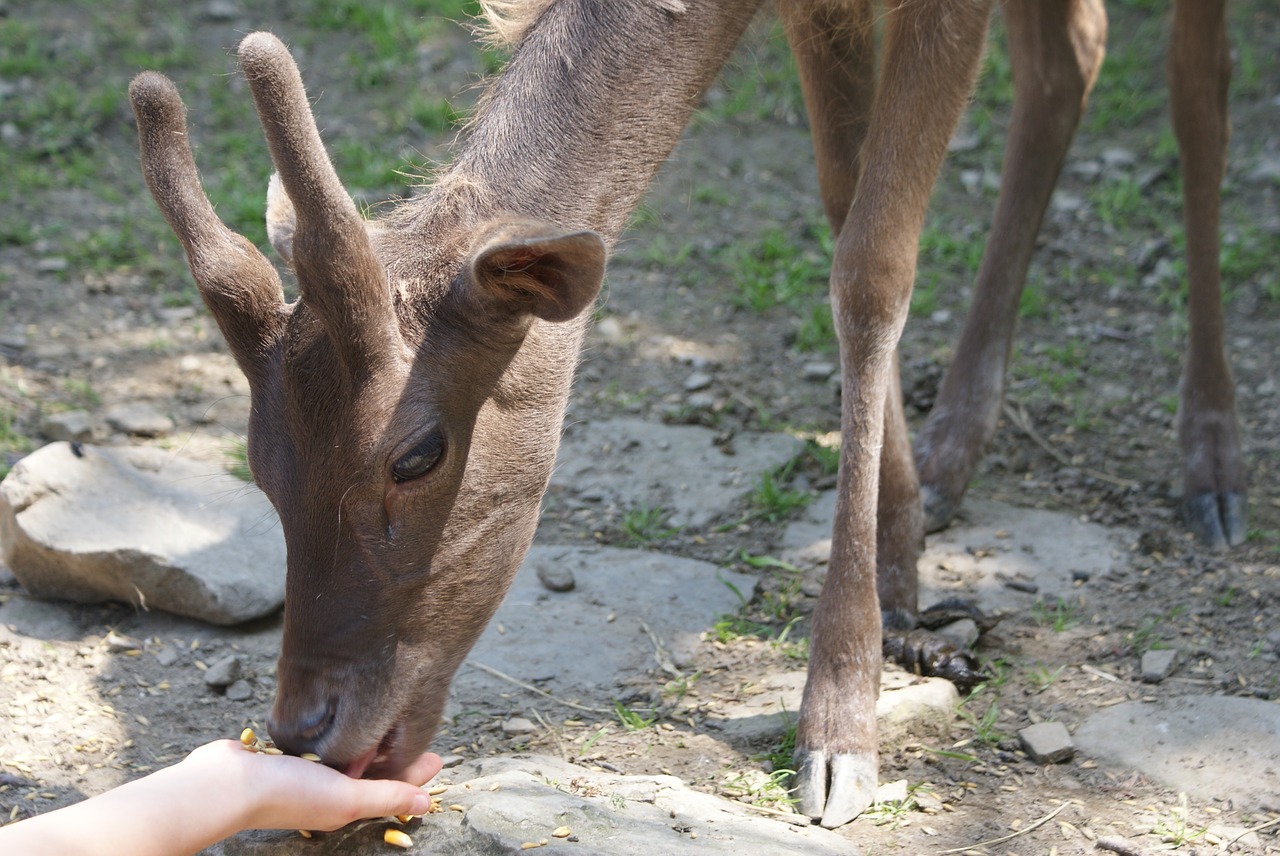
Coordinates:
<point>213,793</point>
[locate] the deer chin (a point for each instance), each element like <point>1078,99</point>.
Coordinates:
<point>381,761</point>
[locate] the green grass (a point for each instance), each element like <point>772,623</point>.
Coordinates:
<point>644,525</point>
<point>633,720</point>
<point>1058,616</point>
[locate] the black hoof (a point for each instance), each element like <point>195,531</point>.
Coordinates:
<point>938,510</point>
<point>1217,520</point>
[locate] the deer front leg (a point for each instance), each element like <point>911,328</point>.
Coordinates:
<point>1213,480</point>
<point>931,53</point>
<point>1056,49</point>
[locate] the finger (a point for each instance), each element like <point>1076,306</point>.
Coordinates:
<point>384,797</point>
<point>423,770</point>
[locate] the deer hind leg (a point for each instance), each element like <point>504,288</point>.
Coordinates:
<point>1199,68</point>
<point>1056,49</point>
<point>930,56</point>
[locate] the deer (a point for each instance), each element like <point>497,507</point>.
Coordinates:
<point>406,408</point>
<point>1056,50</point>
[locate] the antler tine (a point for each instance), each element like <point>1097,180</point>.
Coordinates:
<point>238,284</point>
<point>340,277</point>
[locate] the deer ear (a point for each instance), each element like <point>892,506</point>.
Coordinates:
<point>536,268</point>
<point>282,219</point>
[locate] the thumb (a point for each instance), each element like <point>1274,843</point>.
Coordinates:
<point>384,797</point>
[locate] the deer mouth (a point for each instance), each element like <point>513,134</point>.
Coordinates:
<point>375,758</point>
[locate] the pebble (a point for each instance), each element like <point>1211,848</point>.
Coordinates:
<point>240,691</point>
<point>1118,158</point>
<point>139,419</point>
<point>518,725</point>
<point>67,425</point>
<point>1158,664</point>
<point>697,381</point>
<point>166,656</point>
<point>221,10</point>
<point>1047,742</point>
<point>52,264</point>
<point>892,792</point>
<point>963,633</point>
<point>556,579</point>
<point>817,370</point>
<point>224,672</point>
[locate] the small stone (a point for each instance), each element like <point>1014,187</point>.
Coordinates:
<point>817,370</point>
<point>892,792</point>
<point>240,691</point>
<point>963,633</point>
<point>1158,664</point>
<point>697,381</point>
<point>221,10</point>
<point>557,579</point>
<point>1047,742</point>
<point>67,425</point>
<point>447,761</point>
<point>118,643</point>
<point>1066,202</point>
<point>518,725</point>
<point>1118,158</point>
<point>224,672</point>
<point>52,264</point>
<point>166,655</point>
<point>609,329</point>
<point>139,419</point>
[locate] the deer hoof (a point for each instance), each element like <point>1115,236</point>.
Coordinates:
<point>939,510</point>
<point>1217,519</point>
<point>834,788</point>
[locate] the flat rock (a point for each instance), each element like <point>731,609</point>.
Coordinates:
<point>996,555</point>
<point>629,612</point>
<point>909,709</point>
<point>143,526</point>
<point>508,802</point>
<point>67,425</point>
<point>1213,747</point>
<point>629,463</point>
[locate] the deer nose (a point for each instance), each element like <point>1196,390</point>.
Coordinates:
<point>304,731</point>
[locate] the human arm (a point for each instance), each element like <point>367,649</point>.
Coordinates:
<point>216,791</point>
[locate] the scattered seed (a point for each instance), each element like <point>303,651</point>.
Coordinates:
<point>530,845</point>
<point>309,756</point>
<point>437,790</point>
<point>562,832</point>
<point>405,818</point>
<point>305,833</point>
<point>271,750</point>
<point>456,807</point>
<point>247,737</point>
<point>396,838</point>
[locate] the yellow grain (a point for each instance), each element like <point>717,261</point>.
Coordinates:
<point>309,756</point>
<point>247,737</point>
<point>437,790</point>
<point>396,838</point>
<point>561,832</point>
<point>305,833</point>
<point>456,807</point>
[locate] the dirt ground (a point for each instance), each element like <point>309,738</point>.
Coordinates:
<point>97,310</point>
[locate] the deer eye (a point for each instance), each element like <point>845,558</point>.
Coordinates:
<point>419,460</point>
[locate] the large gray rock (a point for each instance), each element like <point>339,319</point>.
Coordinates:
<point>1213,747</point>
<point>509,802</point>
<point>630,463</point>
<point>631,611</point>
<point>143,526</point>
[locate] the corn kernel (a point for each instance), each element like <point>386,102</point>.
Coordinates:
<point>247,737</point>
<point>396,838</point>
<point>405,818</point>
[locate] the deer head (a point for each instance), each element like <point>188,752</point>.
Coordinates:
<point>405,412</point>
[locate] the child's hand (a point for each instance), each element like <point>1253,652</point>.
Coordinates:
<point>291,793</point>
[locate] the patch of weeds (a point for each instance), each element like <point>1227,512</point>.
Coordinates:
<point>817,331</point>
<point>783,753</point>
<point>827,457</point>
<point>760,788</point>
<point>1042,678</point>
<point>896,813</point>
<point>12,441</point>
<point>1033,302</point>
<point>731,627</point>
<point>1147,637</point>
<point>237,459</point>
<point>644,525</point>
<point>984,724</point>
<point>1119,202</point>
<point>633,720</point>
<point>1059,616</point>
<point>775,271</point>
<point>772,500</point>
<point>81,392</point>
<point>760,85</point>
<point>1175,829</point>
<point>679,687</point>
<point>924,296</point>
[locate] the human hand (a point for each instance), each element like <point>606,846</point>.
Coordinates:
<point>284,792</point>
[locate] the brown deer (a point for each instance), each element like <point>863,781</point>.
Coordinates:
<point>406,410</point>
<point>1056,50</point>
